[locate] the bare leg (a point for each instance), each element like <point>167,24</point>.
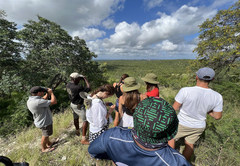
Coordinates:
<point>44,142</point>
<point>84,130</point>
<point>76,124</point>
<point>172,143</point>
<point>188,150</point>
<point>116,120</point>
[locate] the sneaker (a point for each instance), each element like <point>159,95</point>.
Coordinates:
<point>85,142</point>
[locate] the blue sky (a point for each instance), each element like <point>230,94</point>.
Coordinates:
<point>125,29</point>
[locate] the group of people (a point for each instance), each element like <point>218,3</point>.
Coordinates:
<point>145,126</point>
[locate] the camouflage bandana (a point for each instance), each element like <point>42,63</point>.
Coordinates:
<point>155,121</point>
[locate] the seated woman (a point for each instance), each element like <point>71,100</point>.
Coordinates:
<point>118,92</point>
<point>97,113</point>
<point>152,85</point>
<point>129,101</point>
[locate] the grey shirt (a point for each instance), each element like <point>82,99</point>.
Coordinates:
<point>40,109</point>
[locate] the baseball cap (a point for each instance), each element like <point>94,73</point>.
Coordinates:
<point>206,73</point>
<point>75,75</point>
<point>155,121</point>
<point>37,89</point>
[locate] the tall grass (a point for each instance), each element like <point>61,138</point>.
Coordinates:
<point>218,145</point>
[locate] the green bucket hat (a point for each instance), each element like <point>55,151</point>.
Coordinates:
<point>151,78</point>
<point>130,84</point>
<point>155,121</point>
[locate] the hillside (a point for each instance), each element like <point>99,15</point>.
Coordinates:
<point>218,145</point>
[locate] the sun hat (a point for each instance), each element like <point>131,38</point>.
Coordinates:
<point>150,78</point>
<point>37,89</point>
<point>155,121</point>
<point>130,84</point>
<point>75,75</point>
<point>206,73</point>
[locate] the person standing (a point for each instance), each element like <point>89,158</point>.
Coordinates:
<point>155,122</point>
<point>152,85</point>
<point>38,104</point>
<point>195,103</point>
<point>77,105</point>
<point>129,101</point>
<point>97,113</point>
<point>119,93</point>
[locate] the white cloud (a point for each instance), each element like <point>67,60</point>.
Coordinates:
<point>71,15</point>
<point>88,33</point>
<point>166,45</point>
<point>163,35</point>
<point>109,23</point>
<point>219,3</point>
<point>152,3</point>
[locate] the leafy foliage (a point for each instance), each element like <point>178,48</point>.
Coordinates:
<point>219,45</point>
<point>9,48</point>
<point>51,55</point>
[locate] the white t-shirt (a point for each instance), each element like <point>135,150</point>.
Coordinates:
<point>196,103</point>
<point>96,115</point>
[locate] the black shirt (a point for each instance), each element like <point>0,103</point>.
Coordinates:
<point>73,92</point>
<point>118,91</point>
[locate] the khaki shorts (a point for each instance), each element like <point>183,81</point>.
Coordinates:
<point>79,111</point>
<point>47,131</point>
<point>191,134</point>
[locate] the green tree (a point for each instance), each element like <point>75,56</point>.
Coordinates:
<point>10,57</point>
<point>51,55</point>
<point>219,45</point>
<point>9,48</point>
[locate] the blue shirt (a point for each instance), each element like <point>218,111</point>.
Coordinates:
<point>117,144</point>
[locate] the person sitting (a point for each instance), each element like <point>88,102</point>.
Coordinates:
<point>129,100</point>
<point>152,85</point>
<point>155,122</point>
<point>118,92</point>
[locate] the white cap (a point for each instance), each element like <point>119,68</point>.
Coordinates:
<point>75,75</point>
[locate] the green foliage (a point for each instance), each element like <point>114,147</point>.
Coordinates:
<point>51,55</point>
<point>219,45</point>
<point>9,49</point>
<point>15,115</point>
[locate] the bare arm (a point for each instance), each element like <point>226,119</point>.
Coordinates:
<point>215,115</point>
<point>143,96</point>
<point>176,105</point>
<point>53,98</point>
<point>88,85</point>
<point>120,109</point>
<point>45,97</point>
<point>110,111</point>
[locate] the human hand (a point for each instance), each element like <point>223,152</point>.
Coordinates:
<point>49,91</point>
<point>108,103</point>
<point>112,108</point>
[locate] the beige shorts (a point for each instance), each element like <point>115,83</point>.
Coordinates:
<point>47,131</point>
<point>79,111</point>
<point>191,134</point>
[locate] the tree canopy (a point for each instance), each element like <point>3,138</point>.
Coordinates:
<point>219,45</point>
<point>9,48</point>
<point>51,54</point>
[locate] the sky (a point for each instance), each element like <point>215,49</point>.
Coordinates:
<point>124,29</point>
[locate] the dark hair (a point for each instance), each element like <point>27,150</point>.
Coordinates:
<point>206,81</point>
<point>150,86</point>
<point>104,88</point>
<point>131,99</point>
<point>123,77</point>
